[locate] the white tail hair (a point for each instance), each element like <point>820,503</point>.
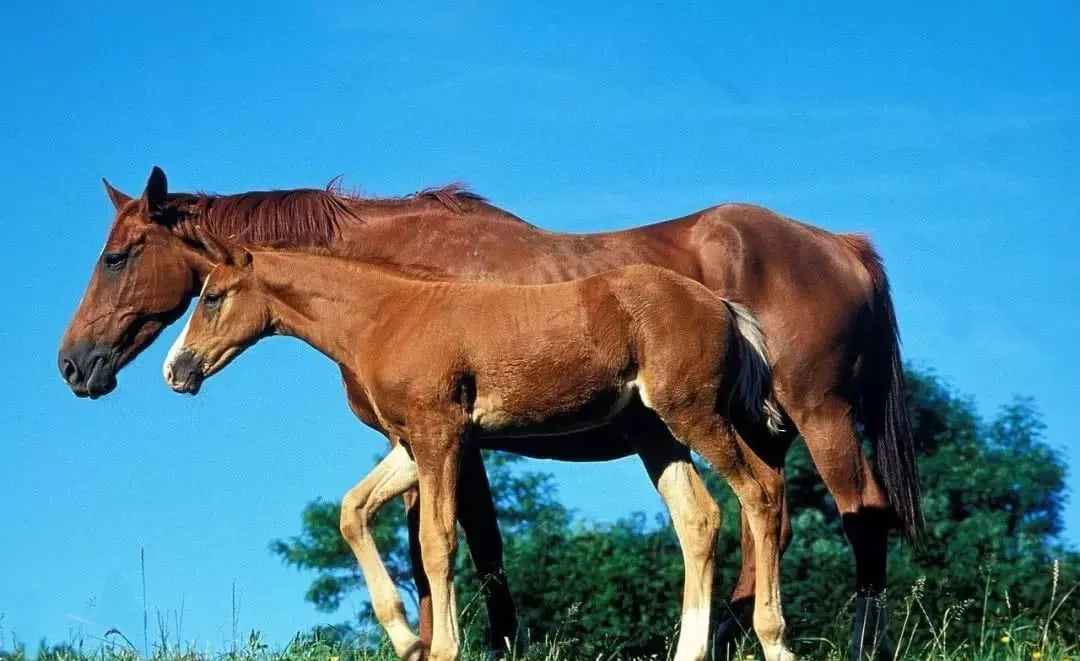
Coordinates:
<point>753,387</point>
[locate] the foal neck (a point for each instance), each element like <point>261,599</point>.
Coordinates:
<point>333,304</point>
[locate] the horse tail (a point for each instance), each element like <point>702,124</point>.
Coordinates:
<point>753,383</point>
<point>882,407</point>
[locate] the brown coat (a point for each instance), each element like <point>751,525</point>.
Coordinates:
<point>448,363</point>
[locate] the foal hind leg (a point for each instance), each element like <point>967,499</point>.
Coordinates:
<point>865,513</point>
<point>390,477</point>
<point>760,490</point>
<point>696,519</point>
<point>738,619</point>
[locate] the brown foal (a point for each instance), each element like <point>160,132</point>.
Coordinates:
<point>823,301</point>
<point>446,364</point>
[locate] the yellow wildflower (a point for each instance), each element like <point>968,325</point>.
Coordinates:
<point>1036,655</point>
<point>1004,639</point>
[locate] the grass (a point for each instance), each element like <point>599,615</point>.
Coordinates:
<point>1024,642</point>
<point>1009,646</point>
<point>1023,636</point>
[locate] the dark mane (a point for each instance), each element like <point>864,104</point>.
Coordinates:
<point>300,217</point>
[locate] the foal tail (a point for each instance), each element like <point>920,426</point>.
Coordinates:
<point>883,409</point>
<point>753,386</point>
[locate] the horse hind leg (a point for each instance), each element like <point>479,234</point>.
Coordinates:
<point>865,514</point>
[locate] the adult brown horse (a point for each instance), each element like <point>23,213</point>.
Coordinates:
<point>823,300</point>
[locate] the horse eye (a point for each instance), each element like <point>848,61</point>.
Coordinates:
<point>211,300</point>
<point>114,260</point>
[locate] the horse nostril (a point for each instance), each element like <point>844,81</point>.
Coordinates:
<point>69,371</point>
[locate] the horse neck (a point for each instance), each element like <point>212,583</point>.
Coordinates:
<point>429,237</point>
<point>332,304</point>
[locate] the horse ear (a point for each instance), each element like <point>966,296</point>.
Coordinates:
<point>117,198</point>
<point>215,249</point>
<point>240,256</point>
<point>156,192</point>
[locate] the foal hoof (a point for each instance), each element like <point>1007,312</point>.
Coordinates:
<point>777,652</point>
<point>416,651</point>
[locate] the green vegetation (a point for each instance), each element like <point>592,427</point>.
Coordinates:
<point>994,583</point>
<point>330,645</point>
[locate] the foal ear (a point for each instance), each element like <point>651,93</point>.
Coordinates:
<point>156,192</point>
<point>215,249</point>
<point>117,198</point>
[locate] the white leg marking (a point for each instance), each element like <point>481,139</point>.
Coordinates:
<point>693,635</point>
<point>391,477</point>
<point>696,520</point>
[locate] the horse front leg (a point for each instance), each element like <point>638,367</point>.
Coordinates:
<point>390,477</point>
<point>416,565</point>
<point>476,514</point>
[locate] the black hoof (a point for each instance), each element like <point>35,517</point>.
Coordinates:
<point>870,637</point>
<point>731,631</point>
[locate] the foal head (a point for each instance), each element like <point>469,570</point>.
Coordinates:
<point>233,313</point>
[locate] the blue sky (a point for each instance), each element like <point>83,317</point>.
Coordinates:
<point>950,135</point>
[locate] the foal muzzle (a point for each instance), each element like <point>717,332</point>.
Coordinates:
<point>185,373</point>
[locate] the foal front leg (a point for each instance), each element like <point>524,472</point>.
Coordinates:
<point>437,451</point>
<point>476,514</point>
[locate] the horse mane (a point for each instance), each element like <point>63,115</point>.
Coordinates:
<point>365,260</point>
<point>301,217</point>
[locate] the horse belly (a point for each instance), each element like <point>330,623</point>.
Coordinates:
<point>604,443</point>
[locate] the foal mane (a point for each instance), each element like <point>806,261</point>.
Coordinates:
<point>299,217</point>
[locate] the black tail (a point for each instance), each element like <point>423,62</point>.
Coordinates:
<point>883,407</point>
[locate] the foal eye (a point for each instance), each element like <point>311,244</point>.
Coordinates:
<point>211,301</point>
<point>114,261</point>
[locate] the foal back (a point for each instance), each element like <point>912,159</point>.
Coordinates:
<point>552,359</point>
